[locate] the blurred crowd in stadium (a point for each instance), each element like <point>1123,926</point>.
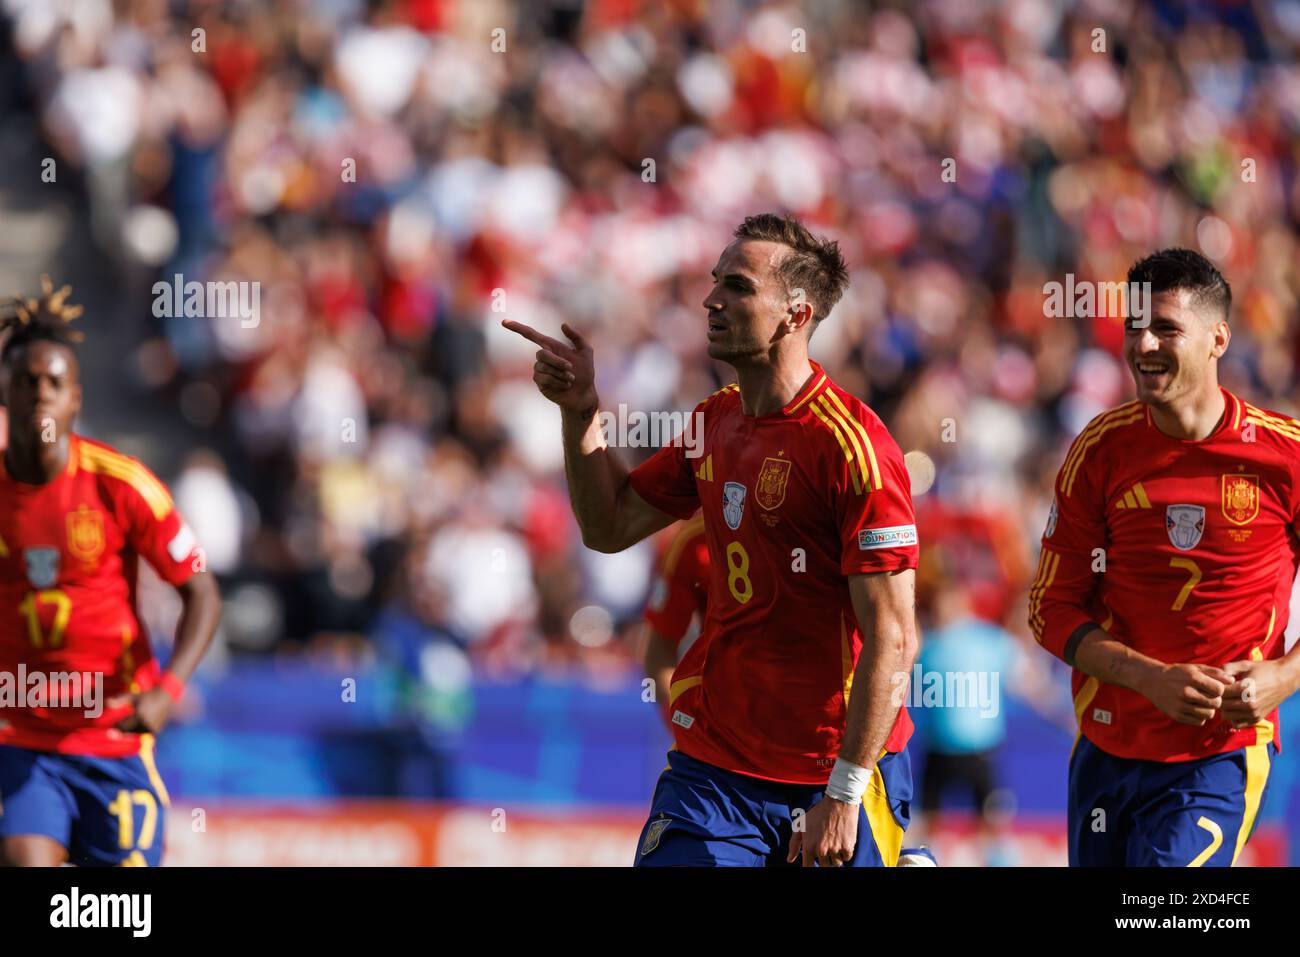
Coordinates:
<point>400,176</point>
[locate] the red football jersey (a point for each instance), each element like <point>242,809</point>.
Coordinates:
<point>1185,551</point>
<point>681,587</point>
<point>68,567</point>
<point>793,502</point>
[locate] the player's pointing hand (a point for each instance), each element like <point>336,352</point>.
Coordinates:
<point>564,373</point>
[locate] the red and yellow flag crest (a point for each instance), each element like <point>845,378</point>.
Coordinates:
<point>85,534</point>
<point>1240,498</point>
<point>772,479</point>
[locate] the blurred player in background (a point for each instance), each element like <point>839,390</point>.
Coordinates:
<point>675,612</point>
<point>1164,580</point>
<point>78,781</point>
<point>964,739</point>
<point>812,540</point>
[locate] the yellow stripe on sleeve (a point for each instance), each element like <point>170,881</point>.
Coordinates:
<point>848,456</point>
<point>114,465</point>
<point>1043,559</point>
<point>1288,427</point>
<point>852,437</point>
<point>1093,439</point>
<point>862,432</point>
<point>1052,562</point>
<point>1078,448</point>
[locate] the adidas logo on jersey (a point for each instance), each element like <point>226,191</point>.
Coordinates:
<point>1136,497</point>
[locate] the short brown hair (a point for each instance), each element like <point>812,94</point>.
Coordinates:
<point>814,265</point>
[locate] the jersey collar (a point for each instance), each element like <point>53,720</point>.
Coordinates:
<point>1234,411</point>
<point>814,385</point>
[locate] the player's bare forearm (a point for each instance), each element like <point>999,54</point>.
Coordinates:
<point>1189,693</point>
<point>596,478</point>
<point>1288,669</point>
<point>200,615</point>
<point>885,605</point>
<point>610,514</point>
<point>1114,662</point>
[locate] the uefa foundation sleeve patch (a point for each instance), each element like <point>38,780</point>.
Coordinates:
<point>894,536</point>
<point>182,544</point>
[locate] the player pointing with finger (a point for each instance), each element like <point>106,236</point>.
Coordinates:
<point>790,738</point>
<point>1164,580</point>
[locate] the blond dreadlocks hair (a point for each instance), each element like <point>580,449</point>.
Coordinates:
<point>44,319</point>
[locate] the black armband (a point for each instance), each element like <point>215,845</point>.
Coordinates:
<point>1076,637</point>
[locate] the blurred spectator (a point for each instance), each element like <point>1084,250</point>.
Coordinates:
<point>399,177</point>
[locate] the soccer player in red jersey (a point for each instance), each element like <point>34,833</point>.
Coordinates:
<point>1164,581</point>
<point>679,596</point>
<point>85,695</point>
<point>790,739</point>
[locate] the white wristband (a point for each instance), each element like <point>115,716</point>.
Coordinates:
<point>848,782</point>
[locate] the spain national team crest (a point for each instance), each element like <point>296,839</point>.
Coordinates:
<point>1185,524</point>
<point>86,534</point>
<point>653,833</point>
<point>772,479</point>
<point>1240,498</point>
<point>733,504</point>
<point>42,566</point>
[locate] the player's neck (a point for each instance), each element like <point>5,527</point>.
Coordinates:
<point>38,462</point>
<point>1192,420</point>
<point>768,387</point>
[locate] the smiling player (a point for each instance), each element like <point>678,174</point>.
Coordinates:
<point>787,697</point>
<point>77,778</point>
<point>1164,580</point>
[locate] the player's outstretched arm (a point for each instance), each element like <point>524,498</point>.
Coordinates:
<point>200,614</point>
<point>609,512</point>
<point>885,604</point>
